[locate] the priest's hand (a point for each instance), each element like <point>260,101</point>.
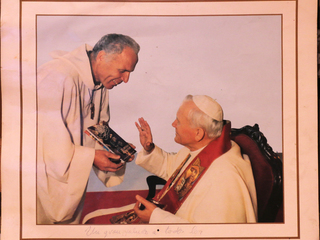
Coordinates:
<point>145,214</point>
<point>106,161</point>
<point>145,135</point>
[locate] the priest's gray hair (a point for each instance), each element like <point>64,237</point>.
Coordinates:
<point>198,118</point>
<point>114,44</point>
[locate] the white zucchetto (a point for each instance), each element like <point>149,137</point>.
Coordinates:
<point>209,106</point>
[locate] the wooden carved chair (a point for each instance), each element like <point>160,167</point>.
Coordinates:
<point>267,173</point>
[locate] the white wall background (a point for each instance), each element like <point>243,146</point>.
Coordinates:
<point>234,59</point>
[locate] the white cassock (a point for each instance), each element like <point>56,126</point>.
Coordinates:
<point>225,194</point>
<point>65,153</point>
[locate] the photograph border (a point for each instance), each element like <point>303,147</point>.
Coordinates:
<point>14,122</point>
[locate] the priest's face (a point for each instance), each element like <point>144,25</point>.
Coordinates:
<point>111,70</point>
<point>185,134</point>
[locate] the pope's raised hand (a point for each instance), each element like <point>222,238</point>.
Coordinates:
<point>145,135</point>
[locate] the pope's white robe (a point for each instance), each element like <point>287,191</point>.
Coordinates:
<point>225,194</point>
<point>65,153</point>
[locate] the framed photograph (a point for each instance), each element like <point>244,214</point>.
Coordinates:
<point>253,57</point>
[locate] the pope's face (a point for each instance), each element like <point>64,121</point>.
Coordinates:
<point>115,69</point>
<point>185,134</point>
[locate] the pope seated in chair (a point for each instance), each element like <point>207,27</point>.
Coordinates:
<point>208,180</point>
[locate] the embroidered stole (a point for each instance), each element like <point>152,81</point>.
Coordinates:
<point>174,193</point>
<point>176,190</point>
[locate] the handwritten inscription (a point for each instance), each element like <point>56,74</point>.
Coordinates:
<point>92,231</point>
<point>125,232</point>
<point>171,231</point>
<point>174,231</point>
<point>195,231</point>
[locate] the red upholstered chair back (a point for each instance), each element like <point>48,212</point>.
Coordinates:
<point>267,172</point>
